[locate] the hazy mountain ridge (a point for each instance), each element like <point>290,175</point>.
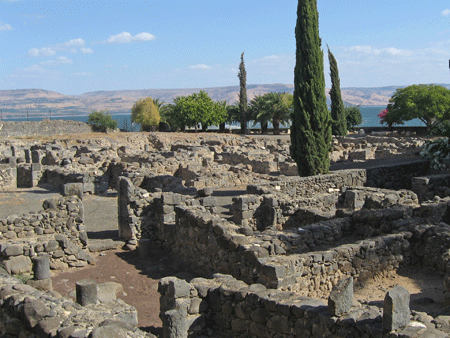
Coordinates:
<point>21,100</point>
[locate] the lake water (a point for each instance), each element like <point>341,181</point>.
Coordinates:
<point>369,116</point>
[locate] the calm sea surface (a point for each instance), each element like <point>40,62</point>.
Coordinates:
<point>369,115</point>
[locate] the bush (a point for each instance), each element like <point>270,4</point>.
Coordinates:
<point>101,121</point>
<point>353,116</point>
<point>436,151</point>
<point>145,113</point>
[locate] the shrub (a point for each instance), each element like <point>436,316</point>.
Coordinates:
<point>146,113</point>
<point>101,121</point>
<point>436,151</point>
<point>353,116</point>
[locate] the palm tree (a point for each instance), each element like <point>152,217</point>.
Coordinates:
<point>274,107</point>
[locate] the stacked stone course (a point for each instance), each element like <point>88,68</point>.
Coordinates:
<point>58,231</point>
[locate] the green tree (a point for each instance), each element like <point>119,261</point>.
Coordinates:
<point>243,102</point>
<point>428,103</point>
<point>195,109</point>
<point>145,113</point>
<point>353,116</point>
<point>101,121</point>
<point>271,107</point>
<point>339,124</point>
<point>311,122</point>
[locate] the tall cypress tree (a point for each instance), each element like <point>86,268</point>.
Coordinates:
<point>311,123</point>
<point>339,124</point>
<point>243,104</point>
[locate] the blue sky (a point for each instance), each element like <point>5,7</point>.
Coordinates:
<point>74,47</point>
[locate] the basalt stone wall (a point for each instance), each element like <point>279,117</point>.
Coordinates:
<point>8,177</point>
<point>370,243</point>
<point>433,185</point>
<point>261,211</point>
<point>225,307</point>
<point>27,312</point>
<point>355,198</point>
<point>58,231</point>
<point>396,176</point>
<point>259,162</point>
<point>309,186</point>
<point>44,127</point>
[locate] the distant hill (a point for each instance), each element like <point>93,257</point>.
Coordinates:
<point>41,101</point>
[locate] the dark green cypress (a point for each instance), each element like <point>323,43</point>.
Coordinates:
<point>339,124</point>
<point>311,123</point>
<point>243,103</point>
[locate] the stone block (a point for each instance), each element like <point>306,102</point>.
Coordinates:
<point>208,191</point>
<point>178,288</point>
<point>36,167</point>
<point>70,189</point>
<point>341,297</point>
<point>107,292</point>
<point>396,313</point>
<point>13,250</point>
<point>18,264</point>
<point>34,311</point>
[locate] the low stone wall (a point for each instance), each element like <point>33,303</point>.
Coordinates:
<point>297,187</point>
<point>27,312</point>
<point>373,198</point>
<point>427,187</point>
<point>58,231</point>
<point>396,176</point>
<point>226,307</point>
<point>44,127</point>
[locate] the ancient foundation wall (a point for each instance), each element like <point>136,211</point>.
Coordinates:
<point>27,312</point>
<point>226,307</point>
<point>427,187</point>
<point>44,127</point>
<point>396,176</point>
<point>297,187</point>
<point>57,231</point>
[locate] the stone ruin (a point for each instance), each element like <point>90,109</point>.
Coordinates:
<point>263,258</point>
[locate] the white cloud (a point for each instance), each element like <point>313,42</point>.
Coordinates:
<point>60,60</point>
<point>377,51</point>
<point>5,27</point>
<point>45,51</point>
<point>60,47</point>
<point>83,74</point>
<point>446,12</point>
<point>126,37</point>
<point>369,66</point>
<point>86,50</point>
<point>36,70</point>
<point>74,42</point>
<point>199,66</point>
